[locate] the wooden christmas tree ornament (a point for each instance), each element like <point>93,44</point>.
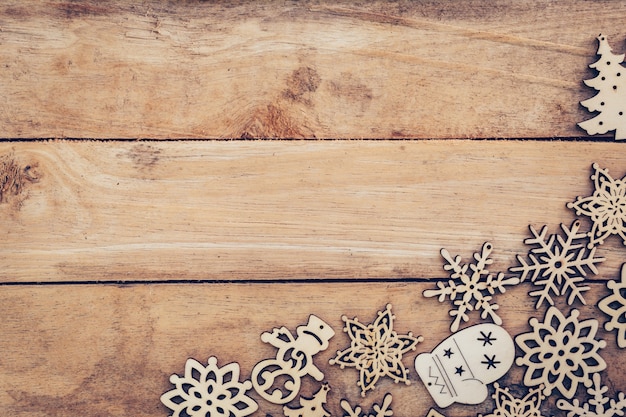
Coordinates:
<point>610,101</point>
<point>209,392</point>
<point>278,379</point>
<point>561,352</point>
<point>310,407</point>
<point>606,207</point>
<point>557,264</point>
<point>382,410</point>
<point>614,306</point>
<point>375,350</point>
<point>471,291</point>
<point>460,367</point>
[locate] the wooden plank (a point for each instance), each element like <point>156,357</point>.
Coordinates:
<point>298,69</point>
<point>84,211</point>
<point>106,350</point>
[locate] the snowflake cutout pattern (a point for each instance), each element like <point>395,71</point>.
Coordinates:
<point>606,207</point>
<point>614,306</point>
<point>209,392</point>
<point>557,264</point>
<point>382,410</point>
<point>561,352</point>
<point>472,291</point>
<point>376,350</point>
<point>596,406</point>
<point>509,406</point>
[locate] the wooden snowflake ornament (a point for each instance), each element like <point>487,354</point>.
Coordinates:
<point>460,368</point>
<point>471,290</point>
<point>610,101</point>
<point>560,352</point>
<point>509,406</point>
<point>557,264</point>
<point>278,380</point>
<point>598,406</point>
<point>614,306</point>
<point>376,350</point>
<point>382,410</point>
<point>209,391</point>
<point>606,208</point>
<point>310,407</point>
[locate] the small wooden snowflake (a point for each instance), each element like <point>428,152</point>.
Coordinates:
<point>382,410</point>
<point>606,207</point>
<point>614,306</point>
<point>471,291</point>
<point>557,264</point>
<point>598,406</point>
<point>310,407</point>
<point>509,406</point>
<point>376,350</point>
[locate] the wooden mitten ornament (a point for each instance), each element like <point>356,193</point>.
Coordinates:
<point>560,352</point>
<point>606,207</point>
<point>610,101</point>
<point>278,380</point>
<point>209,392</point>
<point>460,367</point>
<point>376,350</point>
<point>614,306</point>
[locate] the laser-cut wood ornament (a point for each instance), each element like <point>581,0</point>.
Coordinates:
<point>310,407</point>
<point>460,367</point>
<point>382,410</point>
<point>471,291</point>
<point>610,101</point>
<point>209,391</point>
<point>557,264</point>
<point>376,350</point>
<point>614,305</point>
<point>560,352</point>
<point>606,207</point>
<point>278,379</point>
<point>598,405</point>
<point>434,413</point>
<point>509,406</point>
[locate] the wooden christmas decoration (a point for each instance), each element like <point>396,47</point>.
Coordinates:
<point>434,413</point>
<point>557,264</point>
<point>382,410</point>
<point>278,379</point>
<point>460,367</point>
<point>310,407</point>
<point>209,392</point>
<point>610,101</point>
<point>375,350</point>
<point>509,406</point>
<point>614,306</point>
<point>560,352</point>
<point>471,291</point>
<point>598,405</point>
<point>606,207</point>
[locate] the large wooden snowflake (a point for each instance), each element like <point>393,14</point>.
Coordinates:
<point>557,264</point>
<point>614,306</point>
<point>376,350</point>
<point>598,406</point>
<point>473,290</point>
<point>606,207</point>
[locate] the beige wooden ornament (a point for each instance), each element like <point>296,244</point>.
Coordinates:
<point>209,391</point>
<point>460,368</point>
<point>382,410</point>
<point>471,290</point>
<point>561,352</point>
<point>376,350</point>
<point>614,305</point>
<point>278,380</point>
<point>509,406</point>
<point>610,101</point>
<point>310,407</point>
<point>606,207</point>
<point>598,405</point>
<point>557,264</point>
<point>434,413</point>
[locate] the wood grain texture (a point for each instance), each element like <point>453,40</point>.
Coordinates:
<point>104,350</point>
<point>305,69</point>
<point>265,210</point>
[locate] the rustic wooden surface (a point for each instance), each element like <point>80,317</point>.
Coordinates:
<point>311,69</point>
<point>120,259</point>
